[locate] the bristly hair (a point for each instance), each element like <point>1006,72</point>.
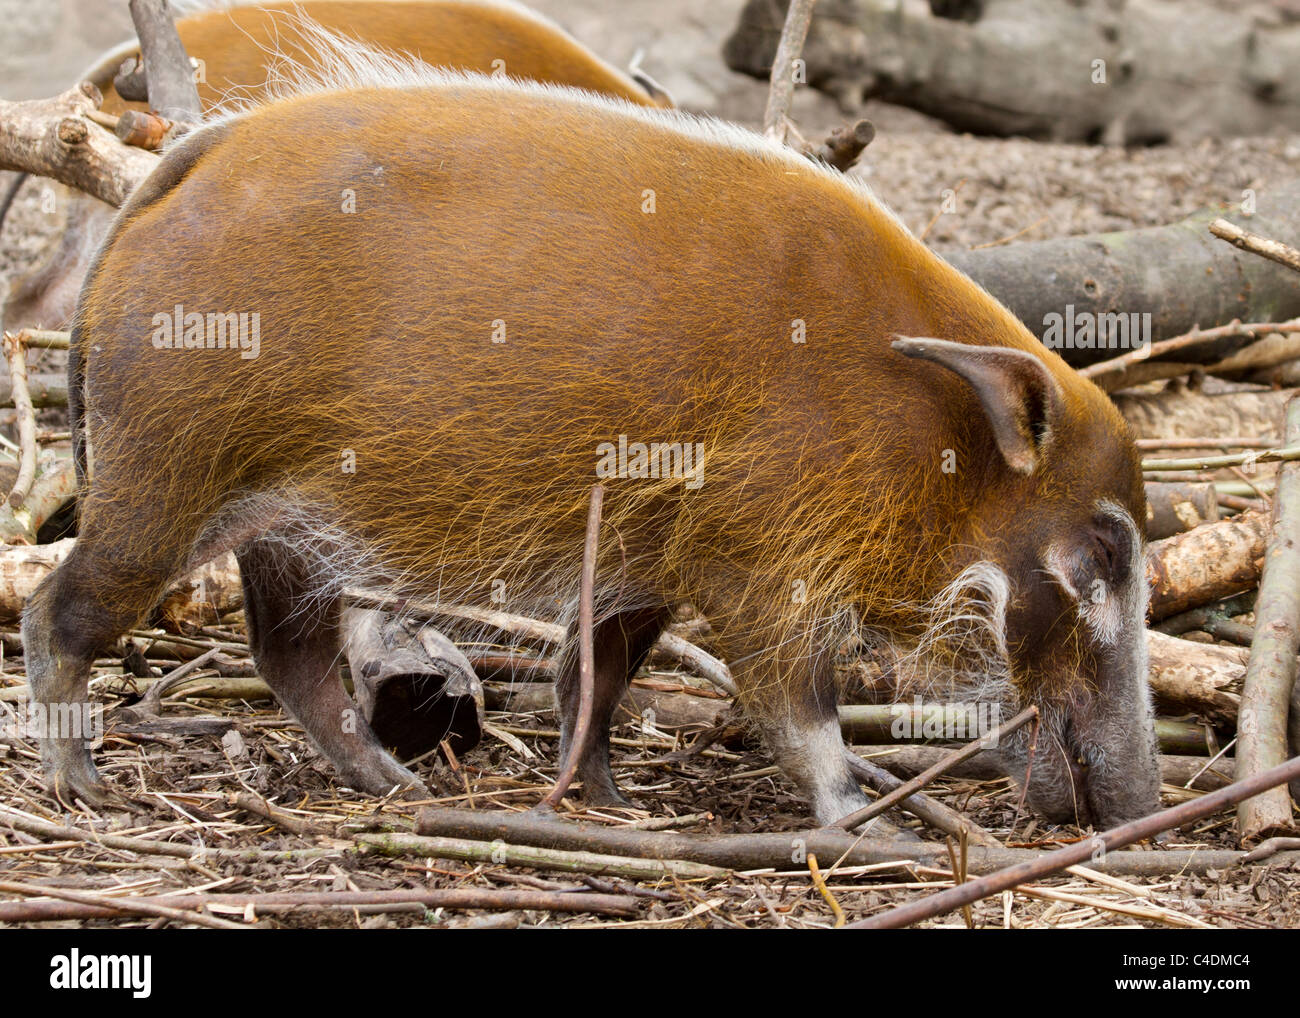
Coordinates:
<point>339,63</point>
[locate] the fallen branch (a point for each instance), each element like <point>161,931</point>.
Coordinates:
<point>54,138</point>
<point>931,811</point>
<point>1113,373</point>
<point>781,91</point>
<point>1022,68</point>
<point>915,784</point>
<point>877,724</point>
<point>907,761</point>
<point>1103,844</point>
<point>1200,678</point>
<point>54,487</point>
<point>1236,459</point>
<point>277,902</point>
<point>144,846</point>
<point>169,77</point>
<point>502,854</point>
<point>121,905</point>
<point>44,390</point>
<point>1206,564</point>
<point>783,851</point>
<point>1271,673</point>
<point>1269,848</point>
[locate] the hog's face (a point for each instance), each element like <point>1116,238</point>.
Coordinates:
<point>1077,637</point>
<point>1062,518</point>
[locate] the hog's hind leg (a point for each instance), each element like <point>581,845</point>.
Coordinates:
<point>294,631</point>
<point>99,591</point>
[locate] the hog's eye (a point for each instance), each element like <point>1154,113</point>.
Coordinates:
<point>1104,553</point>
<point>1110,547</point>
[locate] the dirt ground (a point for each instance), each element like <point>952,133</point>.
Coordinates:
<point>177,789</point>
<point>178,785</point>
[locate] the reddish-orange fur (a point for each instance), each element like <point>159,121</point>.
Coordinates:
<point>480,206</point>
<point>235,44</point>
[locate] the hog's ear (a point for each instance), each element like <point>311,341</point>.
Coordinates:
<point>1020,397</point>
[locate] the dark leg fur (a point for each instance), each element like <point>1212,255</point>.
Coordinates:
<point>620,644</point>
<point>78,610</point>
<point>296,643</point>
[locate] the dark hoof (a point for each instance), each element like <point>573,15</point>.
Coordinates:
<point>606,798</point>
<point>381,776</point>
<point>68,786</point>
<point>70,775</point>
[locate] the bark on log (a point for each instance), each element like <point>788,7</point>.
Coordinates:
<point>22,568</point>
<point>46,390</point>
<point>1206,564</point>
<point>1271,674</point>
<point>1200,678</point>
<point>1179,412</point>
<point>936,814</point>
<point>54,487</point>
<point>1180,275</point>
<point>203,596</point>
<point>1168,72</point>
<point>1293,734</point>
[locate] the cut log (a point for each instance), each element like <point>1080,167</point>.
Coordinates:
<point>1206,564</point>
<point>1138,72</point>
<point>1200,678</point>
<point>414,686</point>
<point>1175,507</point>
<point>1179,412</point>
<point>1180,275</point>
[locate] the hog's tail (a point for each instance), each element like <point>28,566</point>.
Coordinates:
<point>77,402</point>
<point>10,195</point>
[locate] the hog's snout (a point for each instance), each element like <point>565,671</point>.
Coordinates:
<point>1073,777</point>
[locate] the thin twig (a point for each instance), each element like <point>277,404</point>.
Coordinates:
<point>933,812</point>
<point>1283,455</point>
<point>1108,841</point>
<point>781,92</point>
<point>1117,365</point>
<point>586,653</point>
<point>120,905</point>
<point>820,883</point>
<point>915,784</point>
<point>1273,250</point>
